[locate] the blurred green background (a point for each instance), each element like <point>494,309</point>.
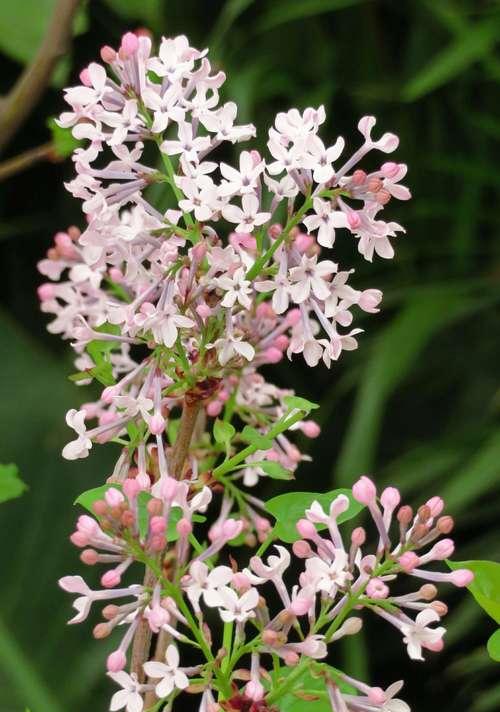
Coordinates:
<point>418,404</point>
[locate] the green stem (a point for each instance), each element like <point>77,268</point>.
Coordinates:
<point>279,427</point>
<point>291,679</point>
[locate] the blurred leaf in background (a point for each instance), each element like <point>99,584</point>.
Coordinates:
<point>418,404</point>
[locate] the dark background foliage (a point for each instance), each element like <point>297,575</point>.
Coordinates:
<point>418,404</point>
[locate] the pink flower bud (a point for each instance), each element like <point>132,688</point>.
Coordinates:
<point>301,605</point>
<point>89,557</point>
<point>262,525</point>
<point>353,220</point>
<point>129,45</point>
<point>157,424</point>
<point>131,488</point>
<point>281,342</point>
<point>273,355</point>
<point>254,690</point>
<point>116,661</point>
<point>436,505</point>
<point>290,658</point>
<point>443,549</point>
<point>293,317</point>
<point>143,481</point>
<point>199,251</point>
<point>306,529</point>
<point>157,542</point>
<point>113,497</point>
<point>116,275</point>
<point>389,169</point>
<point>408,561</point>
<point>435,647</point>
<point>108,54</point>
<point>390,498</point>
<point>169,488</point>
<point>383,196</point>
<point>310,429</point>
<point>265,311</point>
<point>358,177</point>
<point>376,696</point>
<point>231,528</point>
<point>110,579</point>
<point>109,393</point>
<point>275,230</point>
<point>358,536</point>
<point>184,527</point>
<point>369,300</point>
<point>461,577</point>
<point>223,395</point>
<point>377,589</point>
<point>85,77</point>
<point>214,408</point>
<point>364,491</point>
<point>87,525</point>
<point>158,525</point>
<point>303,242</point>
<point>301,549</point>
<point>374,184</point>
<point>45,291</point>
<point>269,637</point>
<point>79,539</point>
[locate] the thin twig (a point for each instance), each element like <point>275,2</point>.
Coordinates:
<point>17,105</point>
<point>26,159</point>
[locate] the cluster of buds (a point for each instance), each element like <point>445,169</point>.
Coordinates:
<point>175,309</point>
<point>267,610</point>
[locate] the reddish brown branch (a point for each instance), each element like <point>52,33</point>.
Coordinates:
<point>19,102</point>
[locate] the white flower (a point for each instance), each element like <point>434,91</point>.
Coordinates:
<point>275,567</point>
<point>171,676</point>
<point>319,159</point>
<point>233,346</point>
<point>417,634</point>
<point>247,217</point>
<point>325,221</point>
<point>237,289</point>
<point>187,145</point>
<point>242,181</point>
<point>236,608</point>
<point>200,197</point>
<point>203,582</point>
<point>130,696</point>
<point>221,122</point>
<point>308,277</point>
<point>392,703</point>
<point>80,447</point>
<point>328,577</point>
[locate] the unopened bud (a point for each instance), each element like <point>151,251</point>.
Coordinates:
<point>101,630</point>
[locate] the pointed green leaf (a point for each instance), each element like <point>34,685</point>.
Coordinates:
<point>287,509</point>
<point>11,485</point>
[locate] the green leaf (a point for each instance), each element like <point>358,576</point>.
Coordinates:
<point>452,61</point>
<point>11,485</point>
<point>275,470</point>
<point>309,691</point>
<point>287,509</point>
<point>253,437</point>
<point>223,432</point>
<point>279,13</point>
<point>493,646</point>
<point>300,403</point>
<point>63,140</point>
<point>486,584</point>
<point>86,499</point>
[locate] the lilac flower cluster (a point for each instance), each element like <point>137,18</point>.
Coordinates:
<point>175,310</point>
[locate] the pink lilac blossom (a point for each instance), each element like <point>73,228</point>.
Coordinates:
<point>175,312</point>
